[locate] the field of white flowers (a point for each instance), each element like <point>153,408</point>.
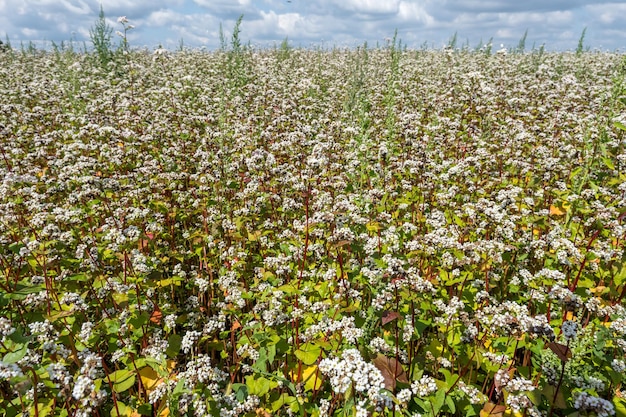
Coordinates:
<point>362,232</point>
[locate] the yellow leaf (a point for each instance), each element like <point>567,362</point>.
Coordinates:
<point>597,290</point>
<point>263,412</point>
<point>254,236</point>
<point>556,211</point>
<point>509,412</point>
<point>311,378</point>
<point>492,410</point>
<point>373,226</point>
<point>559,209</point>
<point>149,378</point>
<point>171,364</point>
<point>165,412</point>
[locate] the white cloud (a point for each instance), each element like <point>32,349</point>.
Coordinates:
<point>164,17</point>
<point>414,12</point>
<point>274,27</point>
<point>550,18</point>
<point>229,8</point>
<point>370,6</point>
<point>557,23</point>
<point>289,23</point>
<point>608,13</point>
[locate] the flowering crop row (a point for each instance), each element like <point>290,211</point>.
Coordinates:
<point>295,232</point>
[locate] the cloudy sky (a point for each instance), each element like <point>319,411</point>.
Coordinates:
<point>347,23</point>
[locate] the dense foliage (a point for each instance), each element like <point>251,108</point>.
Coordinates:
<point>296,232</point>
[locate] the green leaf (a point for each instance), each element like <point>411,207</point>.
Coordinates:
<point>173,347</point>
<point>121,410</point>
<point>308,354</point>
<point>122,380</point>
<point>261,362</point>
<point>145,409</point>
<point>18,353</point>
<point>139,320</point>
<point>259,386</point>
<point>21,291</point>
<point>439,400</point>
<point>286,400</point>
<point>620,406</point>
<point>609,163</point>
<point>78,277</point>
<point>450,403</point>
<point>56,315</point>
<point>619,125</point>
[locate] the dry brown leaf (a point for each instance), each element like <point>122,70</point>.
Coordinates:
<point>389,316</point>
<point>262,412</point>
<point>492,410</point>
<point>563,352</point>
<point>156,316</point>
<point>391,370</point>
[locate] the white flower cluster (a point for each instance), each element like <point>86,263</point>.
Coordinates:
<point>345,326</point>
<point>587,402</point>
<point>518,402</point>
<point>85,331</point>
<point>248,351</point>
<point>618,365</point>
<point>404,396</point>
<point>6,328</point>
<point>501,379</point>
<point>496,359</point>
<point>157,345</point>
<point>378,345</point>
<point>43,330</point>
<point>473,394</point>
<point>235,408</point>
<point>75,300</point>
<point>569,329</point>
<point>84,389</point>
<point>9,370</point>
<point>160,390</point>
<point>595,383</point>
<point>520,384</point>
<point>189,340</point>
<point>619,326</point>
<point>352,370</point>
<point>215,324</point>
<point>448,310</point>
<point>200,370</point>
<point>424,387</point>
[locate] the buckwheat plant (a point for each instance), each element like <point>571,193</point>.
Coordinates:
<point>380,231</point>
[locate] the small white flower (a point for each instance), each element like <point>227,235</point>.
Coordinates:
<point>569,328</point>
<point>424,387</point>
<point>404,396</point>
<point>618,365</point>
<point>600,406</point>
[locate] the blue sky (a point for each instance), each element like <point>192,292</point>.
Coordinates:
<point>346,23</point>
